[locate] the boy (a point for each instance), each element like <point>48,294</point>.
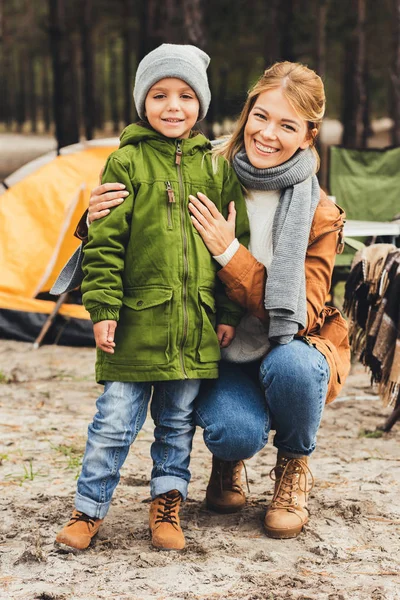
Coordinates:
<point>149,288</point>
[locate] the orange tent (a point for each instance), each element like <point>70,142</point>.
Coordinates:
<point>40,205</point>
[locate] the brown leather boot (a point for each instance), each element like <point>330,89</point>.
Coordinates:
<point>164,523</point>
<point>224,491</point>
<point>79,531</point>
<point>287,513</point>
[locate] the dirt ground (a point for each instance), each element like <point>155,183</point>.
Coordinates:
<point>349,551</point>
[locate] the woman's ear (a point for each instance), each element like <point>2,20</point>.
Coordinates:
<point>309,138</point>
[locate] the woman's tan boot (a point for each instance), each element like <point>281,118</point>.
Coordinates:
<point>79,531</point>
<point>224,491</point>
<point>164,523</point>
<point>287,513</point>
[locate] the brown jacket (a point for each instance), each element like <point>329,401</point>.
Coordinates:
<point>244,278</point>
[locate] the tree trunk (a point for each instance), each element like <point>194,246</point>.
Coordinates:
<point>173,30</point>
<point>162,19</point>
<point>6,70</point>
<point>46,93</point>
<point>322,9</point>
<point>194,22</point>
<point>395,73</point>
<point>113,87</point>
<point>31,85</point>
<point>88,68</point>
<point>100,87</point>
<point>355,105</point>
<point>360,77</point>
<point>21,92</point>
<point>149,35</point>
<point>64,92</point>
<point>127,60</point>
<point>286,31</point>
<point>270,18</point>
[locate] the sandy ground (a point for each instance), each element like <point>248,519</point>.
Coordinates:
<point>349,551</point>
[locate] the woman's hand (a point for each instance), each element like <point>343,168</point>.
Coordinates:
<point>217,232</point>
<point>104,197</point>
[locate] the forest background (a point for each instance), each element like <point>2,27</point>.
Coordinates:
<point>68,66</point>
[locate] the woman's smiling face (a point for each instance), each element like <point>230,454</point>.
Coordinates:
<point>274,130</point>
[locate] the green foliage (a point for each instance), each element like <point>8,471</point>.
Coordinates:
<point>73,455</point>
<point>367,433</point>
<point>3,457</point>
<point>28,474</point>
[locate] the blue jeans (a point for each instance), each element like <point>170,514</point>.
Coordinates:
<point>286,392</point>
<point>121,413</point>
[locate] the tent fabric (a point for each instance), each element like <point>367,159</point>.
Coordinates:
<point>38,215</point>
<point>366,183</point>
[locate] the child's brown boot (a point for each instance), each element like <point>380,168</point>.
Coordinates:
<point>79,531</point>
<point>166,532</point>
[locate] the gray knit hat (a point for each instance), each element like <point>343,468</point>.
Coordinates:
<point>188,63</point>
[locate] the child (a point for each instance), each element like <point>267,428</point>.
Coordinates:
<point>149,288</point>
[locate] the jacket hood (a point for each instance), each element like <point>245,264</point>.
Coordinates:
<point>140,132</point>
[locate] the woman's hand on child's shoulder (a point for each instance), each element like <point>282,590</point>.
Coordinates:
<point>104,335</point>
<point>104,197</point>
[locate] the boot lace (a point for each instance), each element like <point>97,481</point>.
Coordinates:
<point>288,473</point>
<point>80,516</point>
<point>229,475</point>
<point>167,510</point>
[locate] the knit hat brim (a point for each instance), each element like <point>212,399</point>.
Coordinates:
<point>187,63</point>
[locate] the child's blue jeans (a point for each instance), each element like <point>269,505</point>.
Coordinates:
<point>121,413</point>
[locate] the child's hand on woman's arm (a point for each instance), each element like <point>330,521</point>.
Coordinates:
<point>104,335</point>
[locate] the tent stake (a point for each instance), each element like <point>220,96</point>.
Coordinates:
<point>61,299</point>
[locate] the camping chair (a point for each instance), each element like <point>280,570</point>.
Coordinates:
<point>366,183</point>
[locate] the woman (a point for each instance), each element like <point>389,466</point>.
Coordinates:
<point>291,353</point>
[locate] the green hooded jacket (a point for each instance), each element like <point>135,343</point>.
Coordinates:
<point>146,266</point>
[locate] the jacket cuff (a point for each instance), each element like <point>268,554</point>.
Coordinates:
<point>228,318</point>
<point>104,313</point>
<point>226,256</point>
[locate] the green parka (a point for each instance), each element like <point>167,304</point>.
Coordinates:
<point>146,266</point>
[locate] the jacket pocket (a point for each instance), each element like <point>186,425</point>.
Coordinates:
<point>208,349</point>
<point>143,332</point>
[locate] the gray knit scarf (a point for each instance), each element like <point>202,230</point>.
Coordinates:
<point>285,290</point>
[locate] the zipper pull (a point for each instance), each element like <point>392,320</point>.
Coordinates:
<point>340,244</point>
<point>170,192</point>
<point>178,154</point>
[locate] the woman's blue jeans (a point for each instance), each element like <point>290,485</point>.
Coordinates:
<point>121,413</point>
<point>286,392</point>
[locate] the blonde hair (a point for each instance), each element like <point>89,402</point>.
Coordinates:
<point>302,88</point>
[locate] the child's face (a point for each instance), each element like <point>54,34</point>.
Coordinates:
<point>172,107</point>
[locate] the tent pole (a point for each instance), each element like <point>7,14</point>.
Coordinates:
<point>49,321</point>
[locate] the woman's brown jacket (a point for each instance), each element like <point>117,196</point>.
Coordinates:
<point>245,278</point>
